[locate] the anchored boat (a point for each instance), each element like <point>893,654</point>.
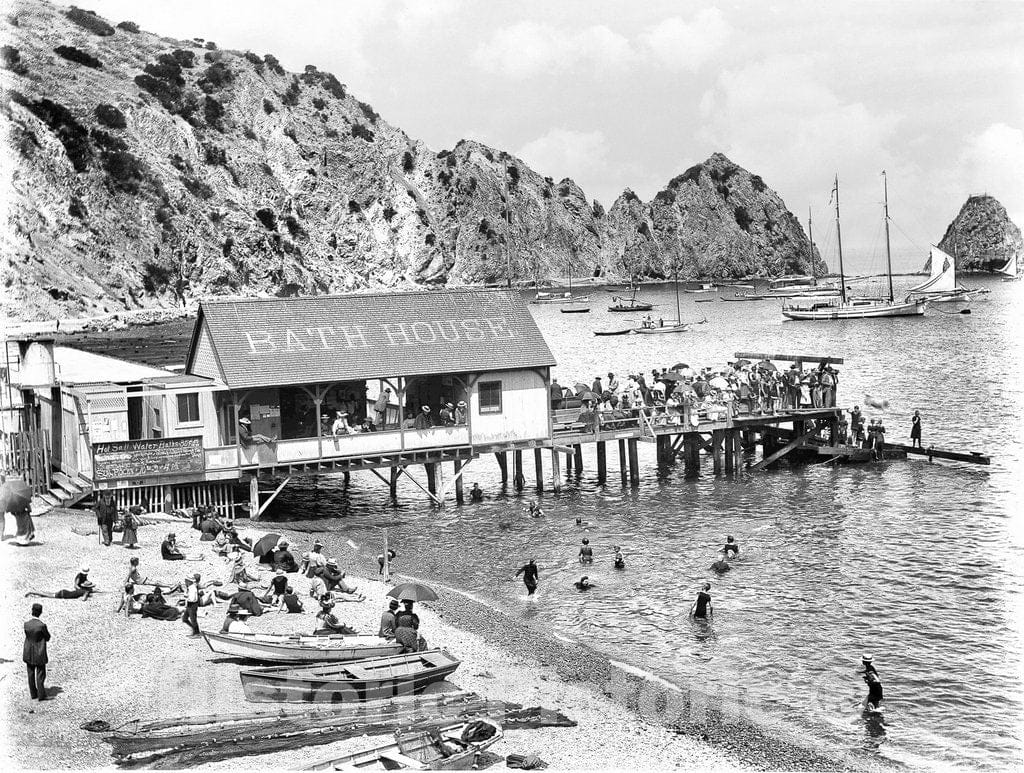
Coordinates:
<point>942,286</point>
<point>293,648</point>
<point>358,680</point>
<point>448,747</point>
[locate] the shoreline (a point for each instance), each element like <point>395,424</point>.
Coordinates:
<point>502,658</point>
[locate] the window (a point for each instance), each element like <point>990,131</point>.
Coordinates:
<point>490,397</point>
<point>188,408</point>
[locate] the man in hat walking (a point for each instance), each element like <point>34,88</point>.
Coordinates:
<point>34,653</point>
<point>380,408</point>
<point>191,616</point>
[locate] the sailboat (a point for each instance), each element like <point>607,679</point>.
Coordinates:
<point>844,307</point>
<point>677,327</point>
<point>941,286</point>
<point>580,306</point>
<point>1010,269</point>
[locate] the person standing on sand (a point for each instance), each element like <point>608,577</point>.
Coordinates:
<point>530,576</point>
<point>702,609</point>
<point>34,653</point>
<point>190,617</point>
<point>915,430</point>
<point>106,511</point>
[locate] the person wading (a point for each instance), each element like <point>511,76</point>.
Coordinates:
<point>530,576</point>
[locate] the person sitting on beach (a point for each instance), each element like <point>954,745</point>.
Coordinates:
<point>157,608</point>
<point>131,602</point>
<point>247,600</point>
<point>327,622</point>
<point>476,494</point>
<point>210,527</point>
<point>239,573</point>
<point>83,588</point>
<point>584,583</point>
<point>619,562</point>
<point>238,542</point>
<point>348,589</point>
<point>135,578</point>
<point>234,622</point>
<point>246,436</point>
<point>278,586</point>
<point>387,621</point>
<point>313,560</point>
<point>721,566</point>
<point>586,552</point>
<point>169,549</point>
<point>283,558</point>
<point>317,586</point>
<point>332,575</point>
<point>392,555</point>
<point>702,606</point>
<point>291,602</point>
<point>730,546</point>
<point>407,627</point>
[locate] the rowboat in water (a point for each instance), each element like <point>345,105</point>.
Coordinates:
<point>293,648</point>
<point>358,680</point>
<point>566,297</point>
<point>575,310</point>
<point>446,747</point>
<point>682,327</point>
<point>621,332</point>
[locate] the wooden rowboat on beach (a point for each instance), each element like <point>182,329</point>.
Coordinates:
<point>447,747</point>
<point>357,680</point>
<point>293,648</point>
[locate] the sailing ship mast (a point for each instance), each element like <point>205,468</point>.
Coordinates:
<point>888,254</point>
<point>508,231</point>
<point>810,246</point>
<point>839,243</point>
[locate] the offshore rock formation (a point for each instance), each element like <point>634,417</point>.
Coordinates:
<point>982,236</point>
<point>142,171</point>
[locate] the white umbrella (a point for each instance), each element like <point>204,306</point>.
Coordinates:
<point>718,383</point>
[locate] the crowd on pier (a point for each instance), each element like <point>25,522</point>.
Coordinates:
<point>685,395</point>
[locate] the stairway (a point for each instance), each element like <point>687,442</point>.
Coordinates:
<point>64,491</point>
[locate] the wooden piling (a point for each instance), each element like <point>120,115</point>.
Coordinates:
<point>556,473</point>
<point>622,462</point>
<point>254,498</point>
<point>602,461</point>
<point>717,440</point>
<point>502,458</point>
<point>459,494</point>
<point>634,463</point>
<point>568,464</point>
<point>431,477</point>
<point>517,470</point>
<point>730,456</point>
<point>538,466</point>
<point>393,484</point>
<point>691,453</point>
<point>578,460</point>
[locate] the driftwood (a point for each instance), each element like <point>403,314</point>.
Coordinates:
<point>192,741</point>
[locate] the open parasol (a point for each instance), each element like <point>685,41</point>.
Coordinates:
<point>15,496</point>
<point>265,544</point>
<point>670,375</point>
<point>680,366</point>
<point>718,383</point>
<point>412,591</point>
<point>767,365</point>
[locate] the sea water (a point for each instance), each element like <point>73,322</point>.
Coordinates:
<point>917,564</point>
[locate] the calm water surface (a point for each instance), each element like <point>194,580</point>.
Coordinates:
<point>918,564</point>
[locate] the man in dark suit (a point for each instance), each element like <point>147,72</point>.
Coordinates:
<point>36,636</point>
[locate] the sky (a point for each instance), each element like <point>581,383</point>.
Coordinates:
<point>630,94</point>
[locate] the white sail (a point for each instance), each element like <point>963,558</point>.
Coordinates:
<point>943,278</point>
<point>1010,269</point>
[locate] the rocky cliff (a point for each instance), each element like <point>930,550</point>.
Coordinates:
<point>143,171</point>
<point>982,237</point>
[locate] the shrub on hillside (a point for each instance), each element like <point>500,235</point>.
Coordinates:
<point>216,76</point>
<point>78,56</point>
<point>358,130</point>
<point>666,196</point>
<point>90,21</point>
<point>513,175</point>
<point>564,191</point>
<point>184,58</point>
<point>598,210</point>
<point>249,133</point>
<point>743,218</point>
<point>430,240</point>
<point>407,162</point>
<point>72,135</point>
<point>267,218</point>
<point>214,155</point>
<point>758,183</point>
<point>211,46</point>
<point>124,171</point>
<point>331,133</point>
<point>369,112</point>
<point>488,155</point>
<point>318,103</point>
<point>388,213</point>
<point>213,111</point>
<point>10,57</point>
<point>110,116</point>
<point>273,64</point>
<point>291,96</point>
<point>268,106</point>
<point>690,175</point>
<point>643,229</point>
<point>353,206</point>
<point>197,187</point>
<point>255,61</point>
<point>128,26</point>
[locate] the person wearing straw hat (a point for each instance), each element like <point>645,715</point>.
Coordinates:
<point>190,617</point>
<point>461,412</point>
<point>874,683</point>
<point>234,622</point>
<point>246,436</point>
<point>82,590</point>
<point>423,419</point>
<point>380,408</point>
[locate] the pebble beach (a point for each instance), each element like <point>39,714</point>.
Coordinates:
<point>104,666</point>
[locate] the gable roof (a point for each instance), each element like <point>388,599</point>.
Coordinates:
<point>318,339</point>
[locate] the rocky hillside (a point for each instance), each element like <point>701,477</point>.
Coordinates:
<point>143,171</point>
<point>982,236</point>
<point>714,220</point>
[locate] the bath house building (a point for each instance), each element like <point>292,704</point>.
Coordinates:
<point>348,382</point>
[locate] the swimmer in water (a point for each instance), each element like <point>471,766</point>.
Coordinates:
<point>730,546</point>
<point>584,583</point>
<point>530,576</point>
<point>586,552</point>
<point>619,561</point>
<point>535,511</point>
<point>579,520</point>
<point>874,699</point>
<point>476,494</point>
<point>702,608</point>
<point>722,564</point>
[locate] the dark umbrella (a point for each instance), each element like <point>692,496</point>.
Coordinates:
<point>15,496</point>
<point>578,387</point>
<point>266,544</point>
<point>670,375</point>
<point>588,396</point>
<point>412,591</point>
<point>680,366</point>
<point>741,363</point>
<point>766,365</point>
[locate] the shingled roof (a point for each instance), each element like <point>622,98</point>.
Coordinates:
<point>269,341</point>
